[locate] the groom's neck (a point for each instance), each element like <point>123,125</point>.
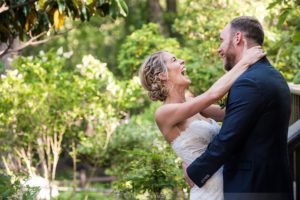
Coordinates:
<point>239,50</point>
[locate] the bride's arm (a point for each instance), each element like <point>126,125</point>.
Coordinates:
<point>214,111</point>
<point>171,114</point>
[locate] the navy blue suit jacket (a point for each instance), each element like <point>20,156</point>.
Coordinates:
<point>252,143</point>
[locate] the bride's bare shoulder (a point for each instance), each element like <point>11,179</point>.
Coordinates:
<point>163,112</point>
<point>165,125</point>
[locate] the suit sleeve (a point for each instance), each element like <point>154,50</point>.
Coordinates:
<point>243,108</point>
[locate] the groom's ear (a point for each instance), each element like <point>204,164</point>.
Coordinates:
<point>238,38</point>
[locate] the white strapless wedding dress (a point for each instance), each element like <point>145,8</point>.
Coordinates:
<point>189,145</point>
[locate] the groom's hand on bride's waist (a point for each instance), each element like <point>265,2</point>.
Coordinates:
<point>187,178</point>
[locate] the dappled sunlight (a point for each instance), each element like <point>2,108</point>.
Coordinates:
<point>73,113</point>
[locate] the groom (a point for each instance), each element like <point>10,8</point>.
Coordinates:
<point>252,143</point>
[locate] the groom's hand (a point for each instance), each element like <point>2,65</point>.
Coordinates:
<point>187,178</point>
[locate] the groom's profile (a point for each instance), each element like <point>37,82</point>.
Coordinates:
<point>252,143</point>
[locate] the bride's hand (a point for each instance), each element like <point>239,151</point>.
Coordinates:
<point>251,55</point>
<point>186,177</point>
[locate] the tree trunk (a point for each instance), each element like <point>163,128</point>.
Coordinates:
<point>83,179</point>
<point>156,15</point>
<point>171,6</point>
<point>170,15</point>
<point>74,159</point>
<point>41,154</point>
<point>7,58</point>
<point>155,11</point>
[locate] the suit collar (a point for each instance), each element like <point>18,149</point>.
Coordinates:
<point>263,61</point>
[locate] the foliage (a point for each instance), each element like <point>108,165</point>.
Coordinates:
<point>82,195</point>
<point>150,172</point>
<point>2,69</point>
<point>140,44</point>
<point>285,47</point>
<point>44,104</point>
<point>31,18</point>
<point>102,109</point>
<point>11,188</point>
<point>138,132</point>
<point>141,168</point>
<point>297,78</point>
<point>199,25</point>
<point>133,98</point>
<point>97,37</point>
<point>138,15</point>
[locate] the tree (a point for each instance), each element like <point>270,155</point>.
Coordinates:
<point>285,48</point>
<point>163,16</point>
<point>149,164</point>
<point>170,15</point>
<point>32,20</point>
<point>45,108</point>
<point>156,14</point>
<point>138,45</point>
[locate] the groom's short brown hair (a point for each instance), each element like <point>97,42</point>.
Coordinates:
<point>250,26</point>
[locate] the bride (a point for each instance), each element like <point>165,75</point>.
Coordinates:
<point>182,121</point>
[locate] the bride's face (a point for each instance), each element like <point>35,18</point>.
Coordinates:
<point>176,70</point>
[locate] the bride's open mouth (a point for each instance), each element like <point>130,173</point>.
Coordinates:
<point>183,72</point>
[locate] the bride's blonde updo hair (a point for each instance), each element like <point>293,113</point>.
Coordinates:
<point>149,75</point>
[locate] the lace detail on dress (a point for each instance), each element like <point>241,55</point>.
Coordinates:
<point>192,142</point>
<point>189,145</point>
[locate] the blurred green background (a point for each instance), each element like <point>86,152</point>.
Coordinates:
<point>72,110</point>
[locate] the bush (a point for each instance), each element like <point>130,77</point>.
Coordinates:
<point>138,133</point>
<point>11,188</point>
<point>152,171</point>
<point>297,78</point>
<point>141,44</point>
<point>142,161</point>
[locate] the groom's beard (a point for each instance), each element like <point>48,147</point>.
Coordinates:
<point>230,57</point>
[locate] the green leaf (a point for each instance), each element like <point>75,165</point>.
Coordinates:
<point>297,78</point>
<point>101,2</point>
<point>61,6</point>
<point>283,16</point>
<point>4,180</point>
<point>88,2</point>
<point>88,14</point>
<point>296,37</point>
<point>122,7</point>
<point>75,4</point>
<point>83,14</point>
<point>41,4</point>
<point>113,9</point>
<point>25,10</point>
<point>273,4</point>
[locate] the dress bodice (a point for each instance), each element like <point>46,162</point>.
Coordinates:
<point>189,145</point>
<point>193,141</point>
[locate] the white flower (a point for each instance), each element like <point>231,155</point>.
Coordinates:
<point>68,54</point>
<point>44,185</point>
<point>14,72</point>
<point>44,59</point>
<point>19,76</point>
<point>60,51</point>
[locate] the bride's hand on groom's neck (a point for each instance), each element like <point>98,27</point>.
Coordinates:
<point>251,55</point>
